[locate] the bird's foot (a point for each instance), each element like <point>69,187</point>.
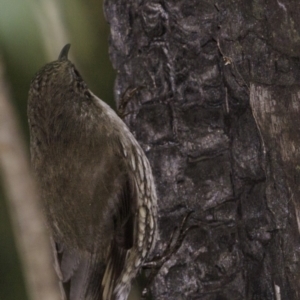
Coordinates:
<point>125,99</point>
<point>172,247</point>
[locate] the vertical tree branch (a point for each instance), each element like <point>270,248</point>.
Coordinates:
<point>236,167</point>
<point>29,227</point>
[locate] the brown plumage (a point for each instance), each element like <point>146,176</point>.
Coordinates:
<point>96,185</point>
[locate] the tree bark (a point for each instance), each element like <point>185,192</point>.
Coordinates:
<point>218,117</point>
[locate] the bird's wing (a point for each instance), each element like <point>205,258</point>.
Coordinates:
<point>81,275</point>
<point>124,222</point>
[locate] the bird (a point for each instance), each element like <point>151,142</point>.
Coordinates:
<point>95,183</point>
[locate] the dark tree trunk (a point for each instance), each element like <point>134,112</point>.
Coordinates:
<point>218,117</point>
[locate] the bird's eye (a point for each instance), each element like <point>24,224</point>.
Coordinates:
<point>76,73</point>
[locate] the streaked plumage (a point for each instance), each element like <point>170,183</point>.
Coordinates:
<point>96,185</point>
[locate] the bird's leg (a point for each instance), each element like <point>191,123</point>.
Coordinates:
<point>124,100</point>
<point>172,247</point>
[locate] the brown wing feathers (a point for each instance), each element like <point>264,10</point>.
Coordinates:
<point>123,239</point>
<point>82,276</point>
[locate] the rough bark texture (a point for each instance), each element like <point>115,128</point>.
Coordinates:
<point>218,117</point>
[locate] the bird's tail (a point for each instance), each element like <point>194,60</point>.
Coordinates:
<point>112,276</point>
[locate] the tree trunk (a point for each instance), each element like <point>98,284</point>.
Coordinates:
<point>218,117</point>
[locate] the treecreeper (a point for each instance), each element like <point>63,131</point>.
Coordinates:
<point>95,182</point>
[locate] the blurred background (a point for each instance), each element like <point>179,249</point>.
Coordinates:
<point>32,33</point>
